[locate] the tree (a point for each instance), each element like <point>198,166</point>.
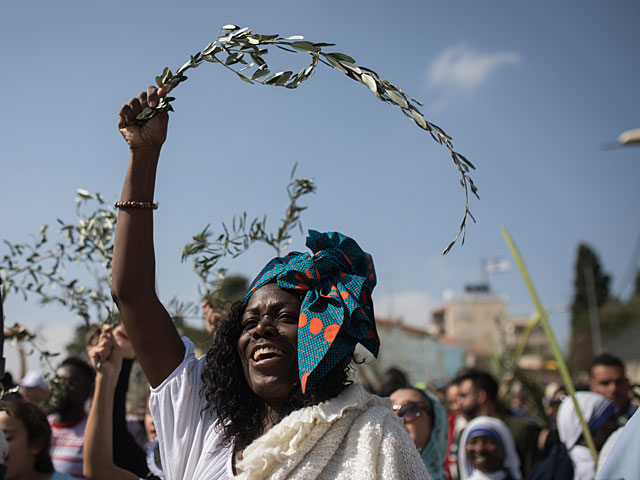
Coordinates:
<point>581,350</point>
<point>72,268</point>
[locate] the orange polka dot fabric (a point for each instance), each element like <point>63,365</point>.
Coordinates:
<point>336,312</point>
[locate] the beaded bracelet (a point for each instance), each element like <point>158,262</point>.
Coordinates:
<point>135,204</point>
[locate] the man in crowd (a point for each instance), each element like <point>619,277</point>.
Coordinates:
<point>607,377</point>
<point>478,395</point>
<point>68,418</point>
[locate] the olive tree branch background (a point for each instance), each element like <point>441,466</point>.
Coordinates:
<point>242,52</point>
<point>238,238</point>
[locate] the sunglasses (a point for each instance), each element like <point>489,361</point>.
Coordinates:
<point>409,411</point>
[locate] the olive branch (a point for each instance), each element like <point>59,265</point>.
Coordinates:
<point>237,239</point>
<point>240,50</point>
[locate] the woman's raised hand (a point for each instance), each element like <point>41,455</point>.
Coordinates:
<point>105,354</point>
<point>150,135</point>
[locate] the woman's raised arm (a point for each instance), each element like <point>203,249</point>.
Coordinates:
<point>153,335</point>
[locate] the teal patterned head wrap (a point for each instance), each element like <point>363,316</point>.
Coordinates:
<point>337,279</point>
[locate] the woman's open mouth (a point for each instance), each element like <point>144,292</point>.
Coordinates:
<point>266,355</point>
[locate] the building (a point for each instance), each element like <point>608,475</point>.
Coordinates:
<point>479,321</point>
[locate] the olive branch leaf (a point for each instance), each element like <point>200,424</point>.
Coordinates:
<point>241,234</point>
<point>242,52</point>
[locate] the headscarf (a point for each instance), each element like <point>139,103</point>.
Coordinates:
<point>496,429</point>
<point>336,312</point>
<point>435,451</point>
<point>596,410</point>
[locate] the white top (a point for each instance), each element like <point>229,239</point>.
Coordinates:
<point>190,446</point>
<point>353,435</point>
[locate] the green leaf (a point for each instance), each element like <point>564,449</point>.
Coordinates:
<point>369,82</point>
<point>84,193</point>
<point>305,47</point>
<point>419,119</point>
<point>260,72</point>
<point>397,99</point>
<point>243,78</point>
<point>336,64</point>
<point>342,57</point>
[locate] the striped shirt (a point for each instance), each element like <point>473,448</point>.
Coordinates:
<point>67,440</point>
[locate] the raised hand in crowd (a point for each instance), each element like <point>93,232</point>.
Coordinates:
<point>106,356</point>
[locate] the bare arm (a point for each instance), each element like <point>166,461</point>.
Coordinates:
<point>150,328</point>
<point>98,450</point>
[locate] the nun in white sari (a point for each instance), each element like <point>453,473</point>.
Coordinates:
<point>501,462</point>
<point>599,415</point>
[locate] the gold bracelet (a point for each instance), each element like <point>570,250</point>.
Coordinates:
<point>135,204</point>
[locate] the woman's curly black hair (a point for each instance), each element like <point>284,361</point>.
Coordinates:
<point>238,408</point>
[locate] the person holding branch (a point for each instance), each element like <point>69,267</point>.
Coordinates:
<point>271,398</point>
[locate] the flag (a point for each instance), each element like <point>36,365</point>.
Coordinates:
<point>496,265</point>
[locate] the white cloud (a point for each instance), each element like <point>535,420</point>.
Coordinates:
<point>460,67</point>
<point>414,308</point>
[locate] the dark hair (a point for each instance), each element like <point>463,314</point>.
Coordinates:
<point>607,360</point>
<point>392,380</point>
<point>87,370</point>
<point>37,426</point>
<point>226,390</point>
<point>481,380</point>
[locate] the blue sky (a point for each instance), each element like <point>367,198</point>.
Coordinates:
<point>530,93</point>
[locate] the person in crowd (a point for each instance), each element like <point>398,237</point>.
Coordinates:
<point>425,420</point>
<point>68,418</point>
<point>456,422</point>
<point>623,461</point>
<point>99,464</point>
<point>478,392</point>
<point>487,451</point>
<point>599,414</point>
<point>271,398</point>
<point>33,388</point>
<point>607,377</point>
<point>127,454</point>
<point>635,395</point>
<point>28,435</point>
<point>553,403</point>
<point>4,453</point>
<point>392,379</point>
<point>213,313</point>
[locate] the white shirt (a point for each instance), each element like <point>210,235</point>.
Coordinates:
<point>190,446</point>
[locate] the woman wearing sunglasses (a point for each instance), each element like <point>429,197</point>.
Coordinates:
<point>425,419</point>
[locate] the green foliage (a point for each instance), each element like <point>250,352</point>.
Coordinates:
<point>238,239</point>
<point>242,52</point>
<point>42,267</point>
<point>504,366</point>
<point>587,258</point>
<point>617,316</point>
<point>581,350</point>
<point>232,288</point>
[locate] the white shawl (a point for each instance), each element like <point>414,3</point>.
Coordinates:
<point>354,435</point>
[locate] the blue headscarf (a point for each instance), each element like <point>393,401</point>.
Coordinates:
<point>434,453</point>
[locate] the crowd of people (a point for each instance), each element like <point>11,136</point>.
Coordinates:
<point>469,428</point>
<point>274,396</point>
